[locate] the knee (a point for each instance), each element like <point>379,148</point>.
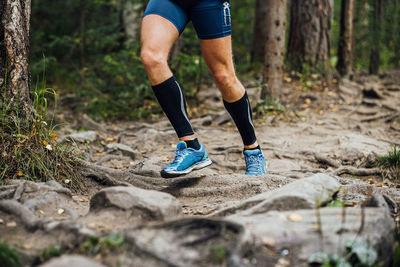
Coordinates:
<point>152,59</point>
<point>224,79</point>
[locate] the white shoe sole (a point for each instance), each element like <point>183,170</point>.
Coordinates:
<point>197,166</point>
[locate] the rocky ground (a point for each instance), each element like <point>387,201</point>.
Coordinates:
<point>323,194</point>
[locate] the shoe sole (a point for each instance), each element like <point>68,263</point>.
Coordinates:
<point>197,166</point>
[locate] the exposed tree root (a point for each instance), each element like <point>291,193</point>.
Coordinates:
<point>326,160</point>
<point>26,216</point>
<point>357,171</point>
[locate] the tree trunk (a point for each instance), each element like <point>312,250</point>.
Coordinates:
<point>377,24</point>
<point>14,55</point>
<point>260,31</point>
<point>131,17</point>
<point>310,25</point>
<point>346,39</point>
<point>274,48</point>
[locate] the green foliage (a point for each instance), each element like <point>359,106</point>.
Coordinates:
<point>29,149</point>
<point>93,245</point>
<point>50,252</point>
<point>9,256</point>
<point>218,253</point>
<point>358,253</point>
<point>391,163</point>
<point>335,204</point>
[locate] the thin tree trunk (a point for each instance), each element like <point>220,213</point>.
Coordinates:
<point>274,48</point>
<point>260,31</point>
<point>309,35</point>
<point>378,17</point>
<point>82,32</point>
<point>14,55</point>
<point>346,39</point>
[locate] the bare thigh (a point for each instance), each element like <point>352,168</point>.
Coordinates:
<point>157,36</point>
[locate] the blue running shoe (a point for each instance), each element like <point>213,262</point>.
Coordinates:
<point>255,162</point>
<point>186,160</point>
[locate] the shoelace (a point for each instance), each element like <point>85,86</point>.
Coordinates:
<point>254,163</point>
<point>179,156</point>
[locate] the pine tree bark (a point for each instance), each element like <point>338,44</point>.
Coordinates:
<point>379,14</point>
<point>346,39</point>
<point>14,56</point>
<point>309,35</point>
<point>260,31</point>
<point>274,48</point>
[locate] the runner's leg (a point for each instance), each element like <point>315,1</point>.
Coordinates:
<point>218,56</point>
<point>158,34</point>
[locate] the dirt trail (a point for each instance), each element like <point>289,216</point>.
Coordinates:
<point>331,131</point>
<point>339,132</point>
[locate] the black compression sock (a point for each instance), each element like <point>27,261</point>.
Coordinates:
<point>241,114</point>
<point>193,144</point>
<point>172,101</point>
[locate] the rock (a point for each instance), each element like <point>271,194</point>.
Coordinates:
<point>89,136</point>
<point>72,260</point>
<point>350,155</point>
<point>86,122</point>
<point>124,149</point>
<point>150,167</point>
<point>189,242</point>
<point>277,235</point>
<point>152,204</point>
<point>305,193</point>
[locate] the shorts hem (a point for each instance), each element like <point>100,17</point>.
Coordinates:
<point>215,36</point>
<point>167,18</point>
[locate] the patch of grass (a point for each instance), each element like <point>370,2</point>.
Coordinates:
<point>28,146</point>
<point>94,245</point>
<point>390,163</point>
<point>50,252</point>
<point>218,253</point>
<point>9,256</point>
<point>358,253</point>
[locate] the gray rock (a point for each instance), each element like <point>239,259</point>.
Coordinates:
<point>125,150</point>
<point>83,137</point>
<point>72,260</point>
<point>189,242</point>
<point>150,167</point>
<point>305,193</point>
<point>296,235</point>
<point>156,205</point>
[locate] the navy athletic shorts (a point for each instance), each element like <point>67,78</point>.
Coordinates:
<point>211,18</point>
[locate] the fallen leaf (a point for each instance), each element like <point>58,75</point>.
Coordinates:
<point>27,246</point>
<point>295,217</point>
<point>268,241</point>
<point>11,224</point>
<point>60,211</point>
<point>379,185</point>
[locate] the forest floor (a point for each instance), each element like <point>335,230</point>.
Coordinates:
<point>330,131</point>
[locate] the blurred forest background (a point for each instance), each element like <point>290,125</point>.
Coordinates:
<point>91,48</point>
